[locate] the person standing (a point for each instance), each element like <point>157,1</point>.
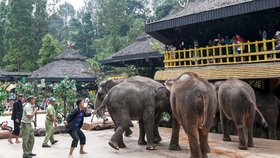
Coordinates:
<point>16,117</point>
<point>27,130</point>
<point>74,122</point>
<point>49,122</point>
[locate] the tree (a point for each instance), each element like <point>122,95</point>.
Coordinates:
<point>111,15</point>
<point>19,36</point>
<point>3,19</point>
<point>40,24</point>
<point>66,11</point>
<point>49,50</point>
<point>65,91</point>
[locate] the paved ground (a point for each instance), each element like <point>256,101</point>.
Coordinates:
<point>97,147</point>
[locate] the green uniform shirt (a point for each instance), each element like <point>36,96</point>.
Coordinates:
<point>50,111</point>
<point>27,110</point>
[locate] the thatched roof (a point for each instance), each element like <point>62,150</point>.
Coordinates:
<point>204,19</point>
<point>139,50</point>
<point>202,6</point>
<point>68,64</point>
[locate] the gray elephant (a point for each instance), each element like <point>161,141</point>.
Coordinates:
<point>135,100</point>
<point>105,86</point>
<point>194,103</point>
<point>237,102</point>
<point>268,104</point>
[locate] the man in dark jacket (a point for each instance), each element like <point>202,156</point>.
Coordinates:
<point>16,117</point>
<point>74,122</point>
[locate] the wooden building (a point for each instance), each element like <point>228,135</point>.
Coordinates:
<point>140,54</point>
<point>202,21</point>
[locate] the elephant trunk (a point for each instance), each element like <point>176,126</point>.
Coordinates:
<point>100,109</point>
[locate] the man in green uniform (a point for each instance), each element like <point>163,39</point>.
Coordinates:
<point>49,122</point>
<point>27,130</point>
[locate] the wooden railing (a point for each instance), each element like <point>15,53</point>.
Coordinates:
<point>249,52</point>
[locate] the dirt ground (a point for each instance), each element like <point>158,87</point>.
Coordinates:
<point>97,147</point>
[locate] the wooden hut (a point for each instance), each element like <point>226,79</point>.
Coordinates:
<point>68,64</point>
<point>140,53</point>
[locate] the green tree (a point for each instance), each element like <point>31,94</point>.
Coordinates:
<point>65,92</point>
<point>19,36</point>
<point>111,15</point>
<point>40,24</point>
<point>66,11</point>
<point>3,19</point>
<point>49,50</point>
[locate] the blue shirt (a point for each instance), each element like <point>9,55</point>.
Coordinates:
<point>79,120</point>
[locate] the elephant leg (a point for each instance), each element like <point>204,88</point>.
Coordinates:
<point>242,132</point>
<point>203,140</point>
<point>249,125</point>
<point>121,143</point>
<point>116,138</point>
<point>141,140</point>
<point>157,137</point>
<point>174,142</point>
<point>193,142</point>
<point>128,132</point>
<point>149,122</point>
<point>242,138</point>
<point>225,126</point>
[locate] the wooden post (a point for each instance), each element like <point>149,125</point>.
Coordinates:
<point>35,95</point>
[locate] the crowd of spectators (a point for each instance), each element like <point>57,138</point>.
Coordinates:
<point>219,41</point>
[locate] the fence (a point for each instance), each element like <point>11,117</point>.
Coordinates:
<point>249,52</point>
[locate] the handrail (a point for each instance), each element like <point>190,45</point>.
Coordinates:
<point>248,52</point>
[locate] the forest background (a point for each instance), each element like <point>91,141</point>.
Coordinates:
<point>33,32</point>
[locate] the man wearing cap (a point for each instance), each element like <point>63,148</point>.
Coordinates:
<point>27,130</point>
<point>49,122</point>
<point>16,117</point>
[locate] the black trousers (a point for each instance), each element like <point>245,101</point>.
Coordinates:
<point>16,128</point>
<point>77,135</point>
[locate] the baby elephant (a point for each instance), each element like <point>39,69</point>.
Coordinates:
<point>193,102</point>
<point>237,102</point>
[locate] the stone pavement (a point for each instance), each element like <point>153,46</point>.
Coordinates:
<point>97,147</point>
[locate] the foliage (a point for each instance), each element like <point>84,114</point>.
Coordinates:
<point>26,88</point>
<point>49,50</point>
<point>65,93</point>
<point>19,37</point>
<point>40,24</point>
<point>3,96</point>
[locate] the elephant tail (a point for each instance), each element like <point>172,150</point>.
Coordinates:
<point>206,103</point>
<point>264,123</point>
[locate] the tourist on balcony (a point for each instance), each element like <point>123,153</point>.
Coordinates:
<point>277,36</point>
<point>195,53</point>
<point>239,48</point>
<point>210,44</point>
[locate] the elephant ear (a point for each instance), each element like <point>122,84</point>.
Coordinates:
<point>108,85</point>
<point>168,84</point>
<point>162,93</point>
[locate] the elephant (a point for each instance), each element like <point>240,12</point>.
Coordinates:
<point>105,86</point>
<point>268,104</point>
<point>237,102</point>
<point>135,100</point>
<point>193,103</point>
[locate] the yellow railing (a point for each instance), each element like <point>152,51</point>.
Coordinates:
<point>249,52</point>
